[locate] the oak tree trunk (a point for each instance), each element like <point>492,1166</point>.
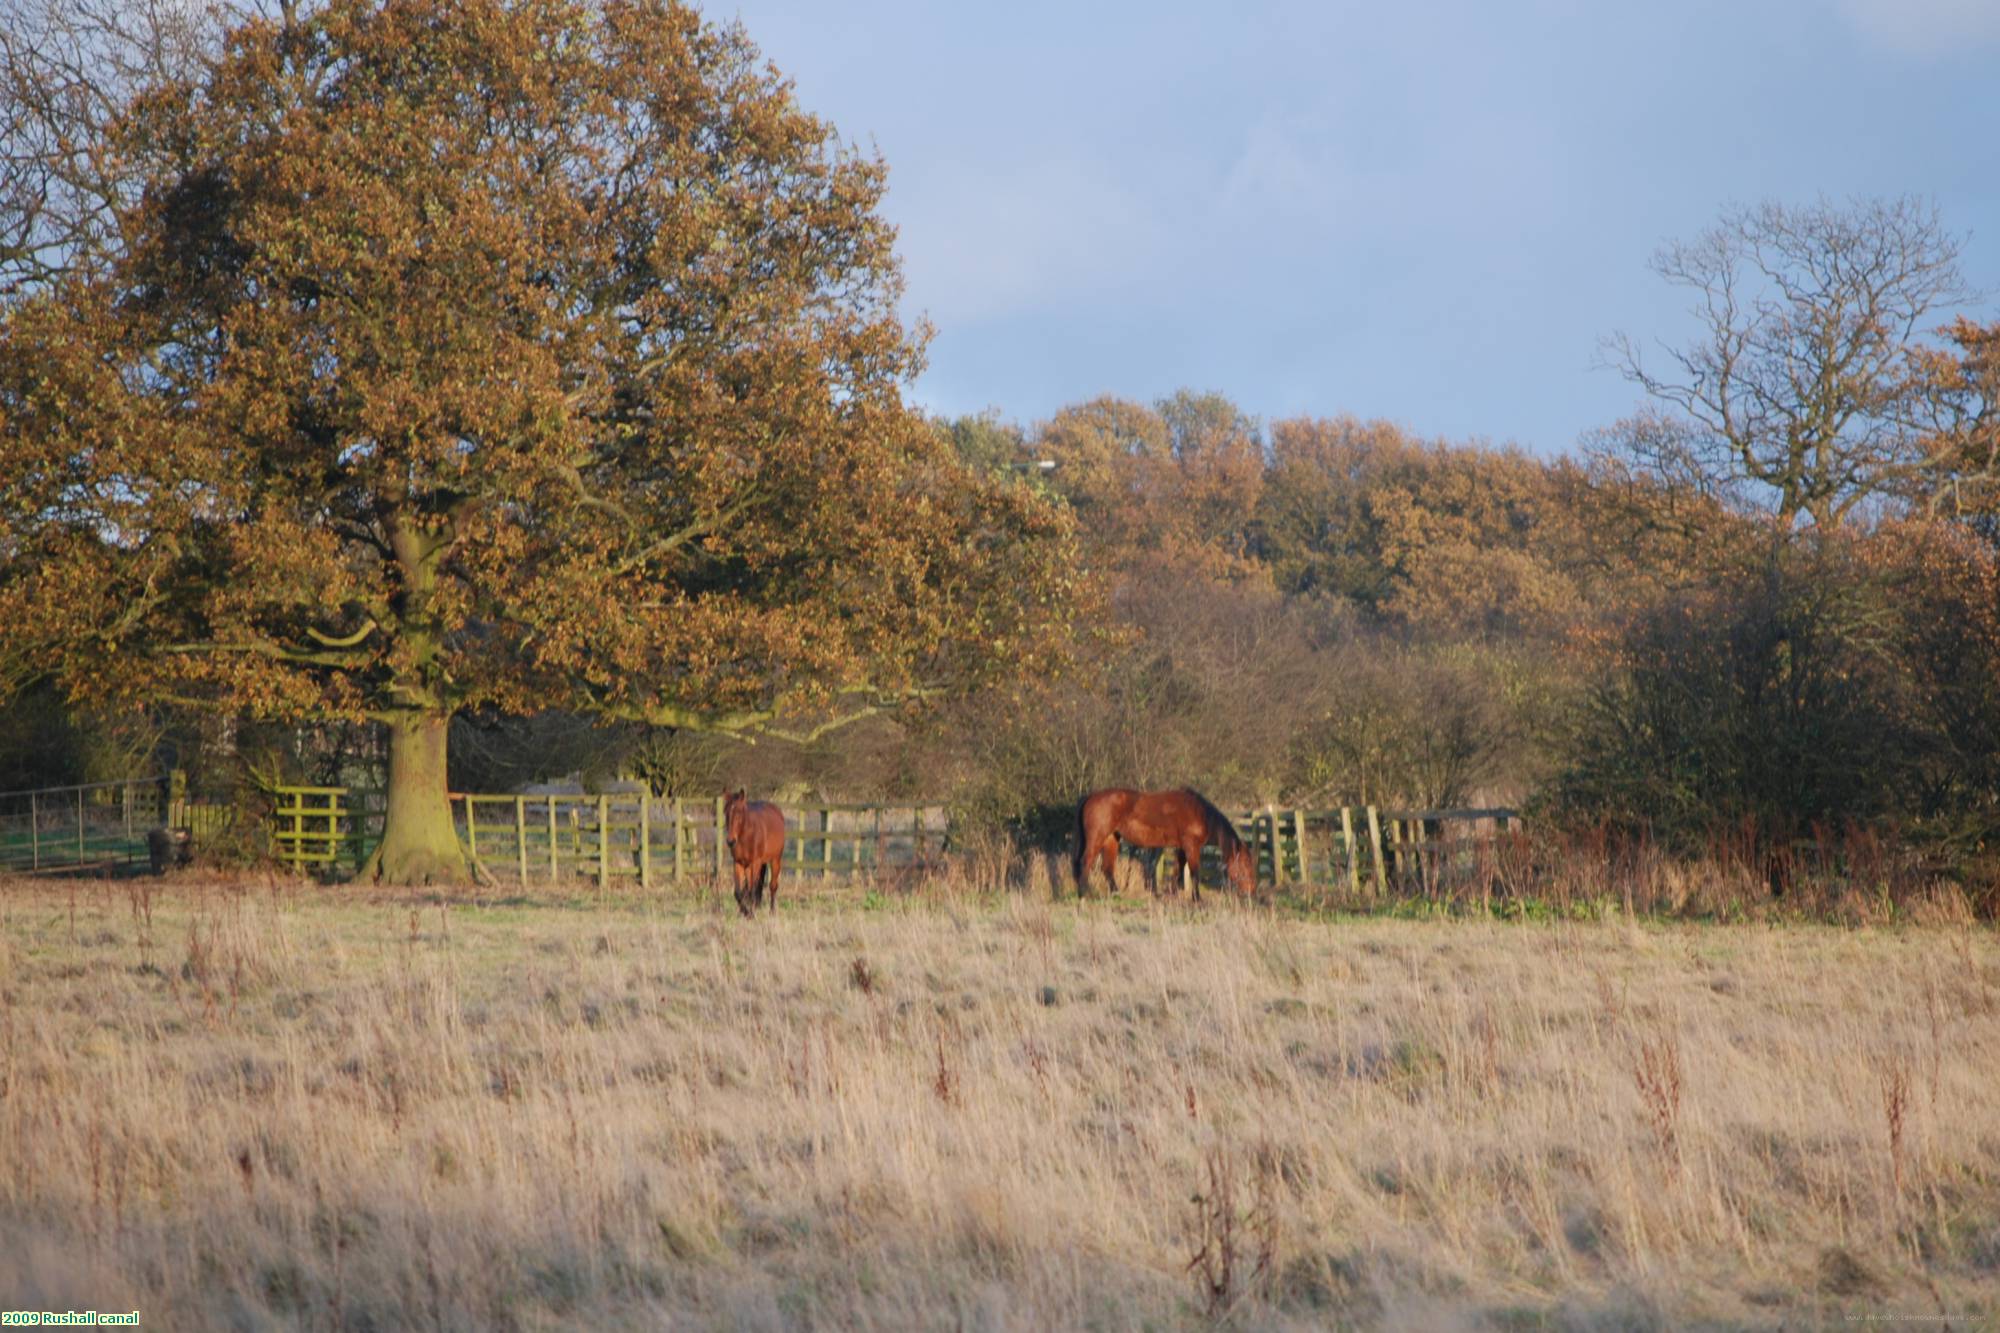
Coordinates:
<point>419,843</point>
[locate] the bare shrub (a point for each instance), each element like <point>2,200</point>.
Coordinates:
<point>1895,1111</point>
<point>1235,1244</point>
<point>1657,1074</point>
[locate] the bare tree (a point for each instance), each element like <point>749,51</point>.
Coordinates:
<point>1805,380</point>
<point>66,69</point>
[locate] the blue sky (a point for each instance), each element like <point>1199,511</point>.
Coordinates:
<point>1428,211</point>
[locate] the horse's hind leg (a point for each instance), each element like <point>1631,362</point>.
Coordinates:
<point>1089,851</point>
<point>1107,862</point>
<point>777,868</point>
<point>1087,856</point>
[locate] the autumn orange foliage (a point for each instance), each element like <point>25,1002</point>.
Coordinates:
<point>466,353</point>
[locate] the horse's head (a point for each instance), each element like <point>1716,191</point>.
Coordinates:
<point>1242,868</point>
<point>733,807</point>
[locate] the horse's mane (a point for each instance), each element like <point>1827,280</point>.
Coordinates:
<point>1228,839</point>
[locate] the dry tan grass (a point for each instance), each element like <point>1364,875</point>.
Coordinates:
<point>288,1106</point>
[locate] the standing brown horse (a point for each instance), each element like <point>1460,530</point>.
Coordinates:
<point>756,832</point>
<point>1183,820</point>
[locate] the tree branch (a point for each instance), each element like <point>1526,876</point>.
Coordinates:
<point>699,528</point>
<point>276,652</point>
<point>344,641</point>
<point>751,724</point>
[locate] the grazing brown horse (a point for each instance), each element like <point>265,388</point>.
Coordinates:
<point>1183,820</point>
<point>756,832</point>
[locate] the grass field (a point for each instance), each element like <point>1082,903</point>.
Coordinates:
<point>269,1105</point>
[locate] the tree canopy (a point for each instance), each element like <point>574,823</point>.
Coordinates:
<point>495,353</point>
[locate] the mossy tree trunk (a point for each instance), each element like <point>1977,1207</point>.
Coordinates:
<point>419,842</point>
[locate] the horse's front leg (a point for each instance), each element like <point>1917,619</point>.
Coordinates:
<point>777,868</point>
<point>1181,863</point>
<point>742,887</point>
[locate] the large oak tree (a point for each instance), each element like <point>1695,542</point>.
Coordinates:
<point>503,354</point>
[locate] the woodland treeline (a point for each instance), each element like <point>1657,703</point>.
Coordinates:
<point>1333,610</point>
<point>1765,608</point>
<point>572,438</point>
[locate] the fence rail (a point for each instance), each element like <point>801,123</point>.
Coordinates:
<point>1369,851</point>
<point>553,838</point>
<point>306,825</point>
<point>556,838</point>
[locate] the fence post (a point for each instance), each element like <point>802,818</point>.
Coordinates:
<point>35,830</point>
<point>1483,867</point>
<point>1353,853</point>
<point>680,829</point>
<point>79,826</point>
<point>333,829</point>
<point>471,828</point>
<point>721,842</point>
<point>555,869</point>
<point>1375,845</point>
<point>1413,837</point>
<point>125,800</point>
<point>603,840</point>
<point>877,862</point>
<point>645,840</point>
<point>1299,838</point>
<point>521,837</point>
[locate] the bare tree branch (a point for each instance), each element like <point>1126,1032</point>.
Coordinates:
<point>1803,379</point>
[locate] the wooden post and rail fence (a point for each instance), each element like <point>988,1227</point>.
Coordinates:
<point>1369,853</point>
<point>632,835</point>
<point>1363,852</point>
<point>557,838</point>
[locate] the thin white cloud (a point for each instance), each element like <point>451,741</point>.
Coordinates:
<point>1926,27</point>
<point>1281,172</point>
<point>981,241</point>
